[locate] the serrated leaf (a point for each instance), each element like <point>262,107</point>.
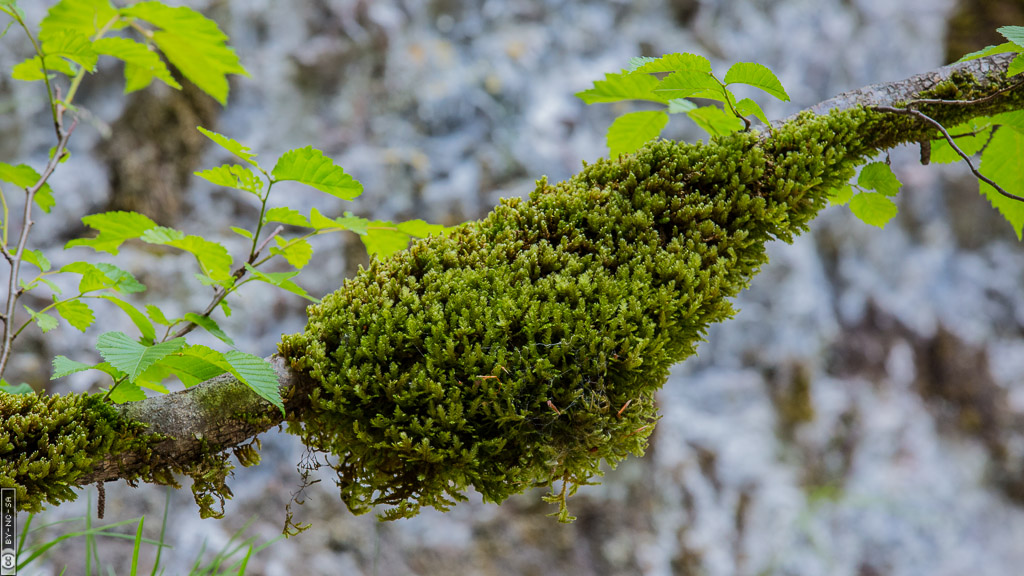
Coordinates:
<point>101,276</point>
<point>638,61</point>
<point>1014,34</point>
<point>233,176</point>
<point>257,374</point>
<point>73,46</point>
<point>675,62</point>
<point>25,176</point>
<point>129,356</point>
<point>286,215</point>
<point>296,252</point>
<point>347,222</point>
<point>237,148</point>
<point>309,166</point>
<point>242,232</point>
<point>631,131</point>
<point>758,76</point>
<point>37,259</point>
<point>86,17</point>
<point>715,121</point>
<point>1016,66</point>
<point>748,107</point>
<point>841,195</point>
<point>141,63</point>
<point>688,83</point>
<point>879,177</point>
<point>214,259</point>
<point>193,43</point>
<point>281,280</point>
<point>1001,163</point>
<point>943,153</point>
<point>76,313</point>
<point>873,208</point>
<point>680,106</point>
<point>420,229</point>
<point>157,315</point>
<point>383,239</point>
<point>225,307</point>
<point>15,389</point>
<point>115,228</point>
<point>210,325</point>
<point>194,364</point>
<point>64,366</point>
<point>126,392</point>
<point>623,86</point>
<point>145,327</point>
<point>31,70</point>
<point>42,319</point>
<point>990,51</point>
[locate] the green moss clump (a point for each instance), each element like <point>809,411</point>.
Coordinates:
<point>47,442</point>
<point>526,348</point>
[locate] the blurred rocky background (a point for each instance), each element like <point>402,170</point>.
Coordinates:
<point>862,415</point>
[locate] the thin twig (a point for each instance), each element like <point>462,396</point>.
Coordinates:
<point>922,116</point>
<point>995,94</point>
<point>223,292</point>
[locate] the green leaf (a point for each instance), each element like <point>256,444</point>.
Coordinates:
<point>138,318</point>
<point>296,252</point>
<point>715,121</point>
<point>1016,66</point>
<point>63,366</point>
<point>420,228</point>
<point>688,83</point>
<point>214,259</point>
<point>131,357</point>
<point>680,106</point>
<point>281,280</point>
<point>115,228</point>
<point>257,374</point>
<point>242,232</point>
<point>673,63</point>
<point>1013,120</point>
<point>237,148</point>
<point>347,222</point>
<point>18,389</point>
<point>841,195</point>
<point>873,208</point>
<point>638,61</point>
<point>383,239</point>
<point>1014,34</point>
<point>309,166</point>
<point>748,107</point>
<point>193,364</point>
<point>286,215</point>
<point>1001,162</point>
<point>758,76</point>
<point>37,259</point>
<point>990,51</point>
<point>126,392</point>
<point>631,131</point>
<point>193,43</point>
<point>233,176</point>
<point>141,63</point>
<point>86,17</point>
<point>210,325</point>
<point>157,315</point>
<point>31,70</point>
<point>42,319</point>
<point>623,86</point>
<point>879,177</point>
<point>24,176</point>
<point>943,153</point>
<point>71,45</point>
<point>101,276</point>
<point>77,313</point>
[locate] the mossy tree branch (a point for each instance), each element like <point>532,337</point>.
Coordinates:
<point>708,233</point>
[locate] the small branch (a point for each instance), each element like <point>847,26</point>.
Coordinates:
<point>922,116</point>
<point>977,101</point>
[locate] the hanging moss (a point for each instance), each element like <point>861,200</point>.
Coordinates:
<point>526,348</point>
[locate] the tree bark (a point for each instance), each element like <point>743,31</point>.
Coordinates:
<point>223,413</point>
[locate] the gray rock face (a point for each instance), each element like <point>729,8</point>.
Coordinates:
<point>861,415</point>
